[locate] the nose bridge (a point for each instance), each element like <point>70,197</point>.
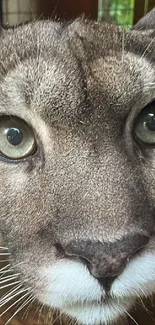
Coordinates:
<point>110,188</point>
<point>107,259</point>
<point>100,190</point>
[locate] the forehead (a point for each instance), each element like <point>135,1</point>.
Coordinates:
<point>62,74</point>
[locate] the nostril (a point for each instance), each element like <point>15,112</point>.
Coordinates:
<point>59,249</point>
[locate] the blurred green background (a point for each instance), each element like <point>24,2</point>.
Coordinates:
<point>118,11</point>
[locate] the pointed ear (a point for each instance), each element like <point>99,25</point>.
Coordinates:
<point>147,22</point>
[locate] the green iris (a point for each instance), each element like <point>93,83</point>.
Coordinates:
<point>16,138</point>
<point>145,125</point>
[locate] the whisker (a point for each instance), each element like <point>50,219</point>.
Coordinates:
<point>21,298</point>
<point>2,254</point>
<point>128,314</point>
<point>40,312</point>
<point>25,315</point>
<point>8,269</point>
<point>4,276</point>
<point>19,309</point>
<point>7,280</point>
<point>59,315</point>
<point>8,276</point>
<point>37,310</point>
<point>6,266</point>
<point>3,272</point>
<point>11,297</point>
<point>143,292</point>
<point>141,301</point>
<point>60,320</point>
<point>1,247</point>
<point>143,55</point>
<point>9,285</point>
<point>71,322</point>
<point>49,316</point>
<point>7,273</point>
<point>123,47</point>
<point>14,266</point>
<point>9,294</point>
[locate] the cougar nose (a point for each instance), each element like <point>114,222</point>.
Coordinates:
<point>106,260</point>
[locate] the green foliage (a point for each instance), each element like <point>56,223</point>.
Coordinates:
<point>118,11</point>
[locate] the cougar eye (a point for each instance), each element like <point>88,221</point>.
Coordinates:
<point>145,125</point>
<point>17,139</point>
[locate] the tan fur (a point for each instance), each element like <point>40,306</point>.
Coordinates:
<point>89,191</point>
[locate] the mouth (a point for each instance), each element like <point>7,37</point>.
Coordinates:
<point>105,302</point>
<point>103,312</point>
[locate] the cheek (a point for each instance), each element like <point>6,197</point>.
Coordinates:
<point>17,181</point>
<point>19,203</point>
<point>149,185</point>
<point>14,179</point>
<point>149,179</point>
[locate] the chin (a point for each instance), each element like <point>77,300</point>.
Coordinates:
<point>99,313</point>
<point>68,287</point>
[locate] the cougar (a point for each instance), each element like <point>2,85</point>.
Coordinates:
<point>77,165</point>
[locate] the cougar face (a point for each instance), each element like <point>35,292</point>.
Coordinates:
<point>77,164</point>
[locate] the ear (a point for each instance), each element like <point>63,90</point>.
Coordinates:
<point>147,22</point>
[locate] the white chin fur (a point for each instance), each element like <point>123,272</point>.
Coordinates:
<point>94,314</point>
<point>138,278</point>
<point>68,286</point>
<point>69,282</point>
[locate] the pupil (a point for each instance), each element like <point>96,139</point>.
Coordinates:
<point>14,136</point>
<point>150,122</point>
